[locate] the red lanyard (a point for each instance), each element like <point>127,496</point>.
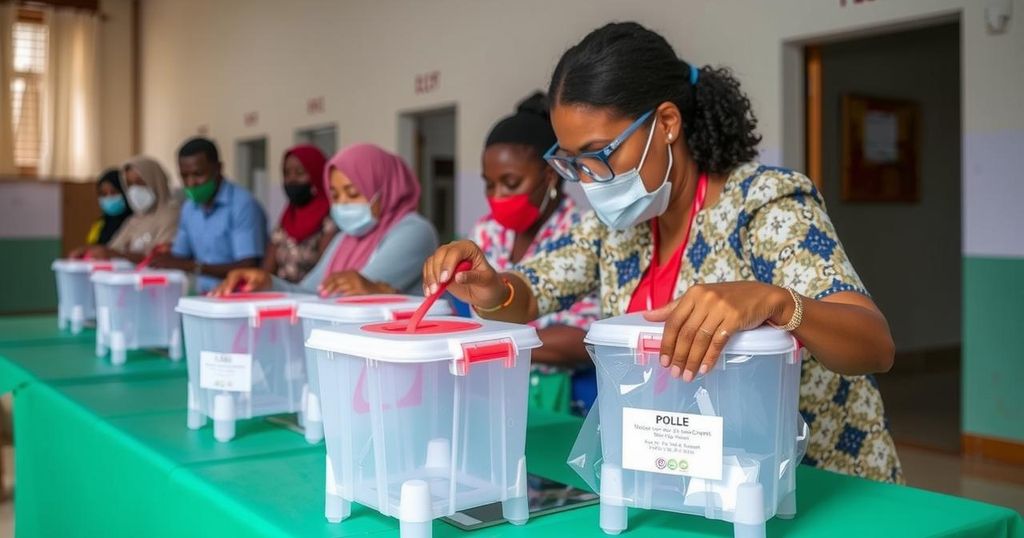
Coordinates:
<point>695,207</point>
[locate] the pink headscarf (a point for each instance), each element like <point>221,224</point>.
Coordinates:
<point>376,173</point>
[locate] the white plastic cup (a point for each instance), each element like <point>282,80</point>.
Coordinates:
<point>415,520</point>
<point>614,517</point>
<point>787,508</point>
<point>314,422</point>
<point>517,508</point>
<point>439,454</point>
<point>174,350</point>
<point>748,521</point>
<point>77,319</point>
<point>223,417</point>
<point>118,351</point>
<point>196,418</point>
<point>336,508</point>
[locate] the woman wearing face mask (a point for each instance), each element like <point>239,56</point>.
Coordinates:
<point>528,212</point>
<point>305,229</point>
<point>688,227</point>
<point>154,219</point>
<point>382,240</point>
<point>114,208</point>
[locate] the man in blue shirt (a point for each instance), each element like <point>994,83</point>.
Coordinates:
<point>222,227</point>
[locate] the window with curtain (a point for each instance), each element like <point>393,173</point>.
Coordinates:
<point>30,37</point>
<point>49,90</point>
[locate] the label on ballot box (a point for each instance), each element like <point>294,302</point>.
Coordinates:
<point>672,443</point>
<point>230,372</point>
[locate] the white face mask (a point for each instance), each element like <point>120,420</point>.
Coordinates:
<point>140,198</point>
<point>355,219</point>
<point>624,201</point>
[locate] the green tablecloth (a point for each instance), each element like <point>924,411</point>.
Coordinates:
<point>59,362</point>
<point>38,329</point>
<point>104,455</point>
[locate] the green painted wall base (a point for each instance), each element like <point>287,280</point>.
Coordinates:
<point>993,360</point>
<point>28,284</point>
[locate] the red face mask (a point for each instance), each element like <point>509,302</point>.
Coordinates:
<point>514,212</point>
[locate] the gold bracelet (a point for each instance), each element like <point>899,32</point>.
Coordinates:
<point>798,313</point>
<point>511,296</point>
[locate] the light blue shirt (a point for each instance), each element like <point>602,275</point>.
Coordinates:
<point>397,260</point>
<point>234,228</point>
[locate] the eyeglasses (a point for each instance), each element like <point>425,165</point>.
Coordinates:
<point>592,163</point>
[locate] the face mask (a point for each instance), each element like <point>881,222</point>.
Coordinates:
<point>203,192</point>
<point>354,219</point>
<point>140,198</point>
<point>516,212</point>
<point>299,194</point>
<point>112,205</point>
<point>624,202</point>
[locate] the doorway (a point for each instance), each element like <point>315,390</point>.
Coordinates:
<point>906,247</point>
<point>324,137</point>
<point>251,173</point>
<point>427,143</point>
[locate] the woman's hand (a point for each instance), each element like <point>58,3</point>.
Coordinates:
<point>480,286</point>
<point>698,324</point>
<point>351,283</point>
<point>245,280</point>
<point>97,252</point>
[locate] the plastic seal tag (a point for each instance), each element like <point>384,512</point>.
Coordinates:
<point>274,312</point>
<point>502,349</point>
<point>586,456</point>
<point>399,315</point>
<point>101,267</point>
<point>648,346</point>
<point>146,281</point>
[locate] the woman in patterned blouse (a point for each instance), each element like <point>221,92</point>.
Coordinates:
<point>688,226</point>
<point>528,211</point>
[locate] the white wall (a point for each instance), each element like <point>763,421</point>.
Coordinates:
<point>923,238</point>
<point>209,63</point>
<point>116,91</point>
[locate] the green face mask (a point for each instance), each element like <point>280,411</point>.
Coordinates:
<point>203,192</point>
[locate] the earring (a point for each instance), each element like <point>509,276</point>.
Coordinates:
<point>553,193</point>
<point>669,137</point>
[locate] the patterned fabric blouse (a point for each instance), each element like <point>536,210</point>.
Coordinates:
<point>496,241</point>
<point>294,260</point>
<point>770,225</point>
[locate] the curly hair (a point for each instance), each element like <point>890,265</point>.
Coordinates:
<point>630,69</point>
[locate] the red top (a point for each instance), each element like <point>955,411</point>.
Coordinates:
<point>658,285</point>
<point>430,326</point>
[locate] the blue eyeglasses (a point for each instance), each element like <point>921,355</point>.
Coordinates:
<point>592,163</point>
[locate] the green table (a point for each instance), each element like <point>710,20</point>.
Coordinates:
<point>76,362</point>
<point>106,453</point>
<point>37,329</point>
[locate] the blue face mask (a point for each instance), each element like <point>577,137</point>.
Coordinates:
<point>113,205</point>
<point>624,201</point>
<point>355,219</point>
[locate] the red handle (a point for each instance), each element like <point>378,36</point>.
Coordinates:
<point>281,312</point>
<point>152,280</point>
<point>646,346</point>
<point>495,350</point>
